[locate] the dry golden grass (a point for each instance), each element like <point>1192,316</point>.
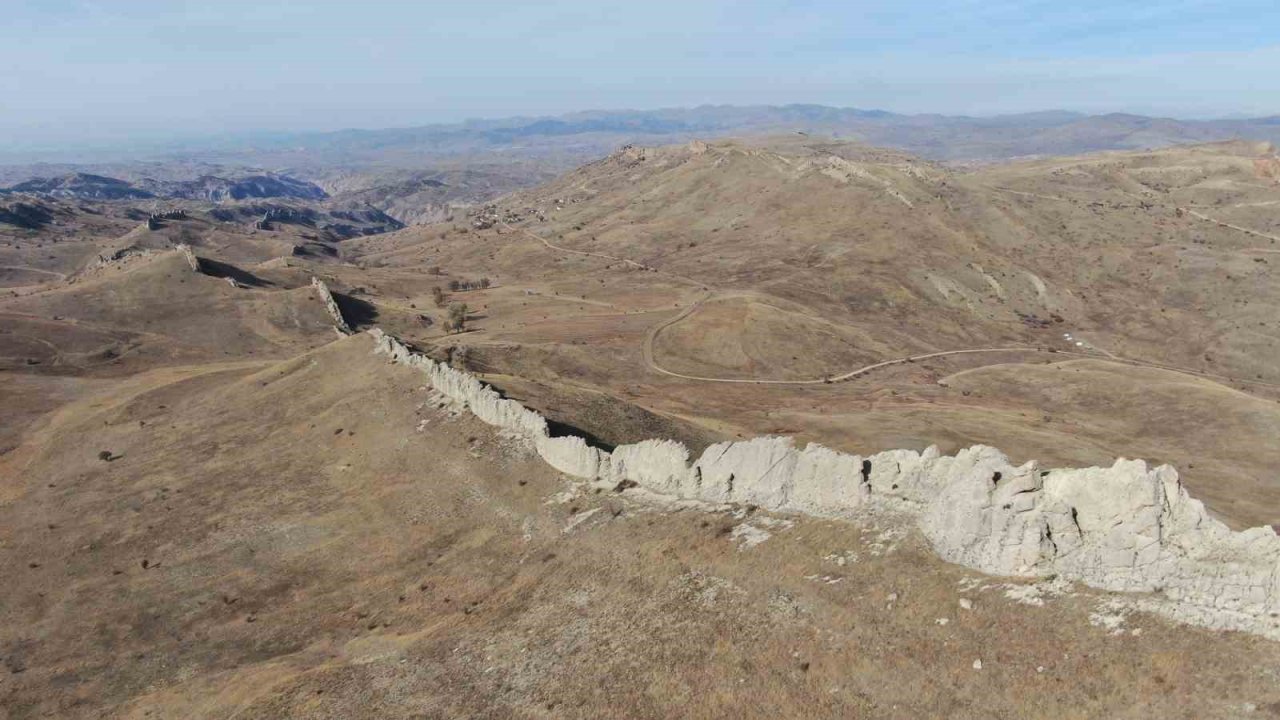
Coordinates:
<point>308,552</point>
<point>311,552</point>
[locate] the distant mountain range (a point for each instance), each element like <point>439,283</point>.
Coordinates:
<point>564,141</point>
<point>567,139</point>
<point>419,174</point>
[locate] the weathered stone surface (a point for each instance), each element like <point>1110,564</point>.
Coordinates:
<point>1125,528</point>
<point>331,305</point>
<point>572,456</point>
<point>658,465</point>
<point>757,471</point>
<point>191,258</point>
<point>826,482</point>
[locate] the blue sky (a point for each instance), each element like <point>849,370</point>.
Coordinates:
<point>101,70</point>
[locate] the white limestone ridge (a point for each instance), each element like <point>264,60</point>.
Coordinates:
<point>331,305</point>
<point>191,258</point>
<point>1128,528</point>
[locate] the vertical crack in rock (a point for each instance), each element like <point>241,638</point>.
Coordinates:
<point>1126,528</point>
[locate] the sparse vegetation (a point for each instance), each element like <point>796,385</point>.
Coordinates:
<point>810,291</point>
<point>481,284</point>
<point>457,321</point>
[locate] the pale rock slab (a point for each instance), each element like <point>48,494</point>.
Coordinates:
<point>1127,528</point>
<point>330,305</point>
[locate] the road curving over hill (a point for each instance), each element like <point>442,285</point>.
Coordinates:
<point>650,359</point>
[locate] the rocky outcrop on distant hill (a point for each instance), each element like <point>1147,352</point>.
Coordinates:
<point>1128,528</point>
<point>340,220</point>
<point>156,220</point>
<point>416,197</point>
<point>254,212</point>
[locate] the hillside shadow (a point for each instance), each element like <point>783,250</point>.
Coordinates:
<point>315,250</point>
<point>562,429</point>
<point>213,268</point>
<point>358,313</point>
<point>555,428</point>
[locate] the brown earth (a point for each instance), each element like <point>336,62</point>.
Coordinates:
<point>322,540</point>
<point>281,540</point>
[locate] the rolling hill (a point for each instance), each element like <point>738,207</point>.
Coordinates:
<point>215,505</point>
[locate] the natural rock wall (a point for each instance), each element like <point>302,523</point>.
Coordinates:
<point>155,221</point>
<point>192,260</point>
<point>331,305</point>
<point>1125,528</point>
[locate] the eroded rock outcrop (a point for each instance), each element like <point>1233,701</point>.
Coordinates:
<point>1128,528</point>
<point>331,305</point>
<point>190,257</point>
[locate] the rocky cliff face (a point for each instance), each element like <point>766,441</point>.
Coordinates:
<point>189,256</point>
<point>1128,528</point>
<point>331,306</point>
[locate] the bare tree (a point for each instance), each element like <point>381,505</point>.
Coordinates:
<point>437,294</point>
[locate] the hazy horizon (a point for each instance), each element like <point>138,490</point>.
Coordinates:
<point>243,68</point>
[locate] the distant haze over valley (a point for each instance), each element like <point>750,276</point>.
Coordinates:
<point>565,140</point>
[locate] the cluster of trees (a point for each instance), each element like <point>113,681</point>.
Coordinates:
<point>456,285</point>
<point>457,321</point>
<point>457,312</point>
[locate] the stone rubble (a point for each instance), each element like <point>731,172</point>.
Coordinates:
<point>1127,528</point>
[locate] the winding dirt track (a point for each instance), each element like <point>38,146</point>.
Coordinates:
<point>651,362</point>
<point>60,276</point>
<point>1220,223</point>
